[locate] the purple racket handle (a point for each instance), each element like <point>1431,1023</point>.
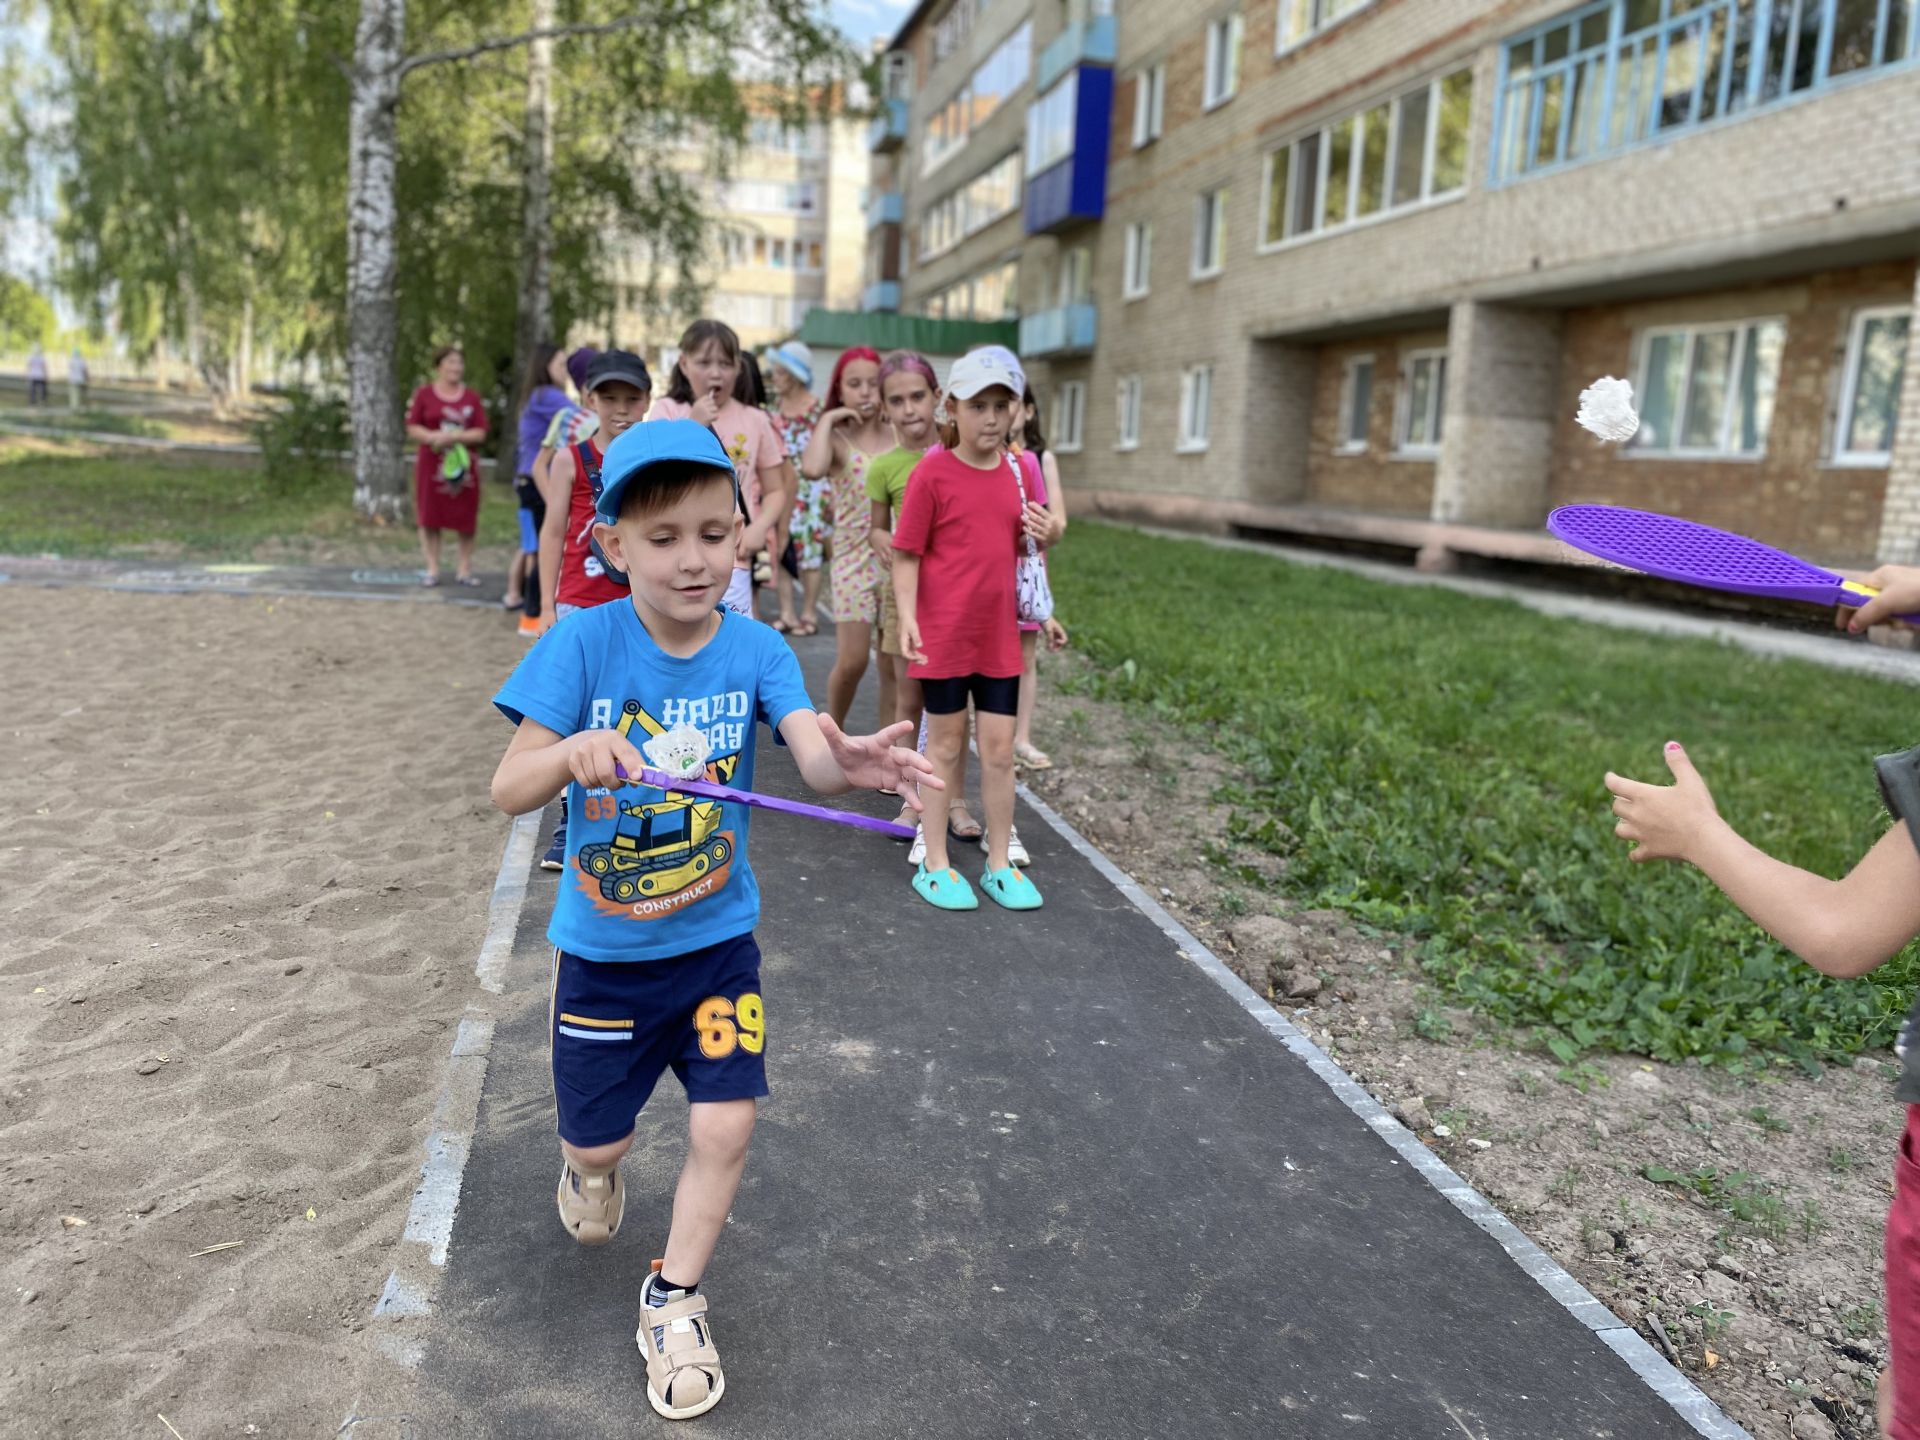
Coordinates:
<point>660,780</point>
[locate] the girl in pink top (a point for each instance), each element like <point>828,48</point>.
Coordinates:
<point>706,386</point>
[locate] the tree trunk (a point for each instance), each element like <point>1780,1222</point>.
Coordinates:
<point>372,319</point>
<point>243,354</point>
<point>535,319</point>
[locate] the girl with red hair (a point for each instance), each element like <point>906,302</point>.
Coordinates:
<point>851,434</point>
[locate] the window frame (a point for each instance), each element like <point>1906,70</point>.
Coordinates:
<point>1194,379</point>
<point>1150,105</point>
<point>1283,43</point>
<point>1322,135</point>
<point>1743,327</point>
<point>1205,220</point>
<point>1347,444</point>
<point>1850,388</point>
<point>1619,130</point>
<point>1227,33</point>
<point>1138,258</point>
<point>1070,403</point>
<point>1403,446</point>
<point>1126,420</point>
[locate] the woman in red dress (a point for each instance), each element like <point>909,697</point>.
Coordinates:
<point>446,420</point>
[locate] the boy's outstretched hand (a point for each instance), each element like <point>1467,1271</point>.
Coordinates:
<point>878,762</point>
<point>1667,822</point>
<point>1899,587</point>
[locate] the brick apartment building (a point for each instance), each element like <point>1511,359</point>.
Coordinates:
<point>792,234</point>
<point>1344,266</point>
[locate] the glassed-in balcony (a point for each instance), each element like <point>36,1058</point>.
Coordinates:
<point>885,208</point>
<point>1085,42</point>
<point>1069,330</point>
<point>881,295</point>
<point>889,128</point>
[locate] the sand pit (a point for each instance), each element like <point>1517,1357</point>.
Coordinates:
<point>243,881</point>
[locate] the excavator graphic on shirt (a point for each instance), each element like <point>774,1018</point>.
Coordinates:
<point>660,846</point>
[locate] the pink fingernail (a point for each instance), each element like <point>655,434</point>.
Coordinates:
<point>1673,744</point>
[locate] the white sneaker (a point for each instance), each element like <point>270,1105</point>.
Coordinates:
<point>917,856</point>
<point>1016,852</point>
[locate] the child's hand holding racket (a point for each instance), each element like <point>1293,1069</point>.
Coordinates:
<point>1666,822</point>
<point>880,762</point>
<point>1899,587</point>
<point>597,756</point>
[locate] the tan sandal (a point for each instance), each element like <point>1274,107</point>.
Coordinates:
<point>592,1201</point>
<point>1031,757</point>
<point>684,1378</point>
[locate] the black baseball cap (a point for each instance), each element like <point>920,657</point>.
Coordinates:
<point>618,365</point>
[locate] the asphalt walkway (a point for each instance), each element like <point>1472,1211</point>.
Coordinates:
<point>1052,1175</point>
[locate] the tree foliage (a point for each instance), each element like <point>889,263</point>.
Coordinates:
<point>26,316</point>
<point>202,149</point>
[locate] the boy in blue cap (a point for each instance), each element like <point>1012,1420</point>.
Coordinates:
<point>655,964</point>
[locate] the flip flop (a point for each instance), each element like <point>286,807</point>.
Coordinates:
<point>1010,889</point>
<point>432,582</point>
<point>472,582</point>
<point>784,627</point>
<point>945,889</point>
<point>956,832</point>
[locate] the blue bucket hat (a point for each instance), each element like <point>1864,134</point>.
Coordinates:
<point>796,358</point>
<point>657,442</point>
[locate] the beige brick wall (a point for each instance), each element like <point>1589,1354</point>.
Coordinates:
<point>1501,365</point>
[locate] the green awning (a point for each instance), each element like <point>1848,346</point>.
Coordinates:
<point>887,330</point>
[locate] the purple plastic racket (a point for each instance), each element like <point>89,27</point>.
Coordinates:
<point>1694,554</point>
<point>660,780</point>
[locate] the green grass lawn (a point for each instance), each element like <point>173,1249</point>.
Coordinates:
<point>1431,764</point>
<point>74,502</point>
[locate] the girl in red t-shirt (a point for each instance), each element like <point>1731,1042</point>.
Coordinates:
<point>955,550</point>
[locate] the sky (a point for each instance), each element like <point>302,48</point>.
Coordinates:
<point>863,19</point>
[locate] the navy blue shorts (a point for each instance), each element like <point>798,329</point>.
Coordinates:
<point>617,1026</point>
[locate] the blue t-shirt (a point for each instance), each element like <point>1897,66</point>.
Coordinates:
<point>652,875</point>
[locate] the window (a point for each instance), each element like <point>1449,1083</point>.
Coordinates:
<point>991,195</point>
<point>1070,417</point>
<point>1050,125</point>
<point>896,81</point>
<point>1300,20</point>
<point>1149,105</point>
<point>1870,388</point>
<point>1074,276</point>
<point>1708,390</point>
<point>1423,403</point>
<point>1210,234</point>
<point>1618,73</point>
<point>952,29</point>
<point>809,257</point>
<point>1137,278</point>
<point>1196,403</point>
<point>1126,427</point>
<point>1398,153</point>
<point>990,86</point>
<point>779,254</point>
<point>1356,405</point>
<point>1223,60</point>
<point>776,197</point>
<point>989,295</point>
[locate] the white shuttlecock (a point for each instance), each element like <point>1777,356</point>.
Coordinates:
<point>680,752</point>
<point>1606,408</point>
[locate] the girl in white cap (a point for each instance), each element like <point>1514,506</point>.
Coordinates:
<point>964,518</point>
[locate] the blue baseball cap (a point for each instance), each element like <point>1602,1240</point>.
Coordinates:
<point>657,442</point>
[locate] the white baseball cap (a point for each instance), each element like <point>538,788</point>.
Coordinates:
<point>984,369</point>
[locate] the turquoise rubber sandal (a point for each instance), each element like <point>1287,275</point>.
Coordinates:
<point>944,889</point>
<point>1010,889</point>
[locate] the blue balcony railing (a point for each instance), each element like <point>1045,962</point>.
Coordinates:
<point>881,295</point>
<point>885,208</point>
<point>1069,330</point>
<point>889,127</point>
<point>1085,42</point>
